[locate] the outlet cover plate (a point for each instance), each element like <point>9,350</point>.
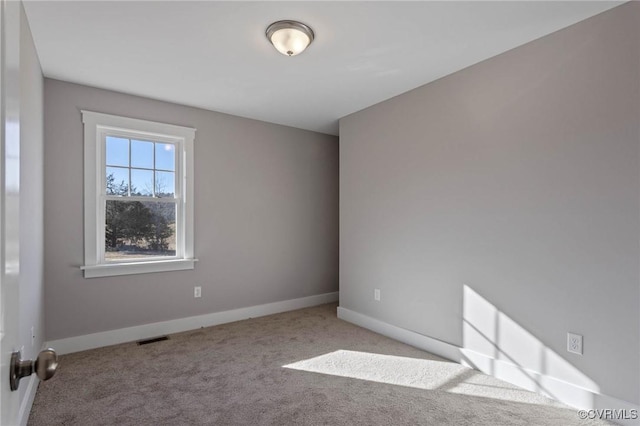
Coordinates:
<point>376,294</point>
<point>197,291</point>
<point>574,343</point>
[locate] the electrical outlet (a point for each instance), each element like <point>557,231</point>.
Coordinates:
<point>376,294</point>
<point>574,343</point>
<point>197,291</point>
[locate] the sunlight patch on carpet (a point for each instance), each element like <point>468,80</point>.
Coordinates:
<point>478,386</point>
<point>417,373</point>
<point>395,370</point>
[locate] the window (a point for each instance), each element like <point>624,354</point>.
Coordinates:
<point>138,196</point>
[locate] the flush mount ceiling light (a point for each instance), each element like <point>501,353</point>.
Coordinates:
<point>290,37</point>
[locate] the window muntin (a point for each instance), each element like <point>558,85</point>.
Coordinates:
<point>140,230</point>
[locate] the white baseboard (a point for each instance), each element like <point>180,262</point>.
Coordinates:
<point>567,393</point>
<point>27,401</point>
<point>429,344</point>
<point>130,334</point>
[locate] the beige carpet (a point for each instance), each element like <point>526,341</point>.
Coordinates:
<point>303,367</point>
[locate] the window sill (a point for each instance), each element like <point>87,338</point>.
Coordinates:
<point>110,270</point>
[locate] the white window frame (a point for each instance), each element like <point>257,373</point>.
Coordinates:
<point>97,126</point>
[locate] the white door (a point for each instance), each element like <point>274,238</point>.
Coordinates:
<point>9,201</point>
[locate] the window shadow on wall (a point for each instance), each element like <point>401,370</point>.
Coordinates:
<point>497,345</point>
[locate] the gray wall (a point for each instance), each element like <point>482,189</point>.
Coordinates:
<point>31,198</point>
<point>518,177</point>
<point>266,217</point>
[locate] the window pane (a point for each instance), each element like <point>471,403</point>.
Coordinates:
<point>117,151</point>
<point>137,230</point>
<point>117,181</point>
<point>165,156</point>
<point>142,154</point>
<point>141,182</point>
<point>165,184</point>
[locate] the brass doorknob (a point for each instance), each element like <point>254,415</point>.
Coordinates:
<point>44,366</point>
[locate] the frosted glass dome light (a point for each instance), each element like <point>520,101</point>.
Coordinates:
<point>290,37</point>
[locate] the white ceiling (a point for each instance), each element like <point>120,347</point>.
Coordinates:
<point>214,55</point>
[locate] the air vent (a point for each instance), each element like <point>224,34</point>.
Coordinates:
<point>152,340</point>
